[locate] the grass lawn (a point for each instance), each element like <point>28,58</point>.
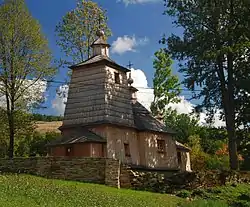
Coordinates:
<point>31,191</point>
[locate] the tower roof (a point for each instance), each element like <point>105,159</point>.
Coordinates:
<point>100,40</point>
<point>100,59</point>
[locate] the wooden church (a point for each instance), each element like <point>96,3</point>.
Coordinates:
<point>104,119</point>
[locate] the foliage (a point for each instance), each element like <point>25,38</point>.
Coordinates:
<point>77,30</point>
<point>47,118</point>
<point>206,203</point>
<point>214,48</point>
<point>215,162</point>
<point>29,191</point>
<point>197,156</point>
<point>234,196</point>
<point>203,161</point>
<point>23,127</point>
<point>166,85</point>
<point>183,194</point>
<point>212,139</point>
<point>25,59</point>
<point>185,125</point>
<point>34,144</point>
<point>243,137</point>
<point>28,142</point>
<point>221,196</point>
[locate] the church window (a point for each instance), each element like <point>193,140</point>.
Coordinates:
<point>69,151</point>
<point>127,150</point>
<point>117,78</point>
<point>161,145</point>
<point>179,157</point>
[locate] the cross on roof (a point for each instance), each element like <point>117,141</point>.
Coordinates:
<point>129,65</point>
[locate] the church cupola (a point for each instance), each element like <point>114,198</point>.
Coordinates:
<point>100,46</point>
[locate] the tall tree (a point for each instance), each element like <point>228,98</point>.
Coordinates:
<point>166,85</point>
<point>77,31</point>
<point>215,48</point>
<point>24,59</point>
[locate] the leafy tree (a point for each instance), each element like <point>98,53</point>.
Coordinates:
<point>215,48</point>
<point>34,144</point>
<point>166,85</point>
<point>185,125</point>
<point>212,139</point>
<point>77,30</point>
<point>24,60</point>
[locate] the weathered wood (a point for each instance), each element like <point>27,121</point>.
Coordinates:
<point>85,98</point>
<point>94,96</point>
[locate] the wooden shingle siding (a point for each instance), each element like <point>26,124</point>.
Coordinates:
<point>93,96</point>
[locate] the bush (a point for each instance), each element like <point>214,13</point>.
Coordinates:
<point>184,194</point>
<point>240,203</point>
<point>34,144</point>
<point>215,162</point>
<point>200,193</point>
<point>206,203</point>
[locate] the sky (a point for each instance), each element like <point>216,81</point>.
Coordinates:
<point>137,26</point>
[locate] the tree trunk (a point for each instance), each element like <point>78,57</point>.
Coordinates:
<point>230,119</point>
<point>10,114</point>
<point>11,137</point>
<point>233,158</point>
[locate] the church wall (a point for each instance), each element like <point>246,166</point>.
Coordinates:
<point>57,151</point>
<point>152,157</point>
<point>116,138</point>
<point>185,161</point>
<point>97,149</point>
<point>78,150</point>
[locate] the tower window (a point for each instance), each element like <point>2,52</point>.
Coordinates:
<point>161,145</point>
<point>127,151</point>
<point>117,78</point>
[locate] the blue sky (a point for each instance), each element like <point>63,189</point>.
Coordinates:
<point>142,22</point>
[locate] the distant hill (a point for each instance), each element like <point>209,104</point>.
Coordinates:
<point>46,118</point>
<point>43,127</point>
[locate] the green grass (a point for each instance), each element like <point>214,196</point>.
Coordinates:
<point>31,191</point>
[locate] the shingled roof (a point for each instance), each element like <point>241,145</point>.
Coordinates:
<point>144,121</point>
<point>81,135</point>
<point>100,59</point>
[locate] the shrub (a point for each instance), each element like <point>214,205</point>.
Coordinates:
<point>184,194</point>
<point>215,162</point>
<point>206,203</point>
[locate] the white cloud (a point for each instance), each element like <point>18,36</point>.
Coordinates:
<point>34,94</point>
<point>58,104</point>
<point>127,2</point>
<point>127,44</point>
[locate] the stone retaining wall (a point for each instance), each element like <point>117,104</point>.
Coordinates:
<point>96,170</point>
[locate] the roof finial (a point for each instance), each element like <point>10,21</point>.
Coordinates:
<point>130,79</point>
<point>129,65</point>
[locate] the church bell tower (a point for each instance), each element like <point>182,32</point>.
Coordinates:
<point>99,91</point>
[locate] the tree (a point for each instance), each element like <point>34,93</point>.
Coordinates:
<point>77,30</point>
<point>166,85</point>
<point>215,48</point>
<point>185,125</point>
<point>25,60</point>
